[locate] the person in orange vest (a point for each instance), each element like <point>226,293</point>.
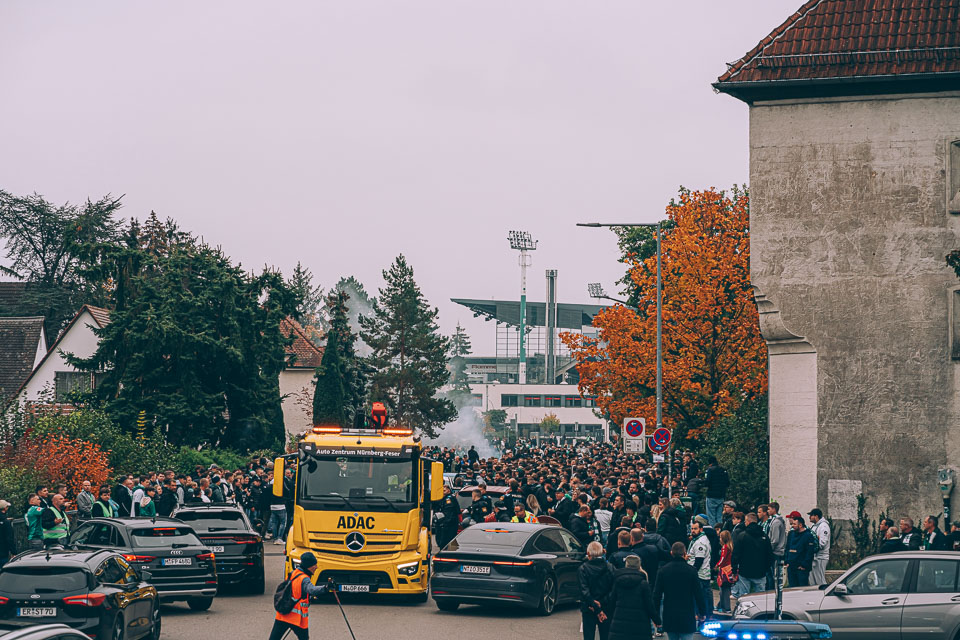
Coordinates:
<point>302,586</point>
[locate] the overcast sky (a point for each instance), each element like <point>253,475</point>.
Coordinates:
<point>343,133</point>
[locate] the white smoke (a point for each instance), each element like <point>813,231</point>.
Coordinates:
<point>465,431</point>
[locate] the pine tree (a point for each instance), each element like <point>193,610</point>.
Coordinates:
<point>309,312</point>
<point>341,384</point>
<point>460,347</point>
<point>409,355</point>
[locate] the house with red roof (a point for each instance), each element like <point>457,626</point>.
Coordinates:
<point>855,202</point>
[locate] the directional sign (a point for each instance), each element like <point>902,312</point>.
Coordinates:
<point>660,440</point>
<point>634,439</point>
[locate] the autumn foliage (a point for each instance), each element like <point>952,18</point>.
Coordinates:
<point>714,357</point>
<point>59,459</point>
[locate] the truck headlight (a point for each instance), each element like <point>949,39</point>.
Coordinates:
<point>743,609</point>
<point>408,568</point>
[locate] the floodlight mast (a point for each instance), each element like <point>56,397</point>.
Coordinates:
<point>523,242</point>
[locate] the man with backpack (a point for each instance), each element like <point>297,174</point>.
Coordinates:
<point>292,600</point>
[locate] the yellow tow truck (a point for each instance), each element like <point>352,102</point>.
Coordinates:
<point>362,506</point>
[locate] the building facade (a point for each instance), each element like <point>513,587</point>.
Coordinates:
<point>855,196</point>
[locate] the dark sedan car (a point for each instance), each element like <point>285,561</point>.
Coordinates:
<point>236,545</point>
<point>182,567</point>
<point>95,592</point>
<point>529,565</point>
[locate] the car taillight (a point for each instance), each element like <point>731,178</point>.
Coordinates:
<point>436,559</point>
<point>514,564</point>
<point>132,557</point>
<point>247,540</point>
<point>205,556</point>
<point>4,600</point>
<point>86,600</point>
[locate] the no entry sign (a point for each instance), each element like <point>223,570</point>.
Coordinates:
<point>660,440</point>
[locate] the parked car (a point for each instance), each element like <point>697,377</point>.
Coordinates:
<point>236,545</point>
<point>529,565</point>
<point>907,595</point>
<point>97,593</point>
<point>181,566</point>
<point>43,632</point>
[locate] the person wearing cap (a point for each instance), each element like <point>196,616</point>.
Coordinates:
<point>302,588</point>
<point>801,547</point>
<point>726,517</point>
<point>820,529</point>
<point>7,544</point>
<point>777,532</point>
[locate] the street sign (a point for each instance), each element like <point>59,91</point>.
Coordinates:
<point>634,439</point>
<point>660,440</point>
<point>658,457</point>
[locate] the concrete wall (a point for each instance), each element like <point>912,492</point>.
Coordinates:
<point>849,230</point>
<point>294,385</point>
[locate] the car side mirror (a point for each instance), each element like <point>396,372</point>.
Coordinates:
<point>145,575</point>
<point>840,590</point>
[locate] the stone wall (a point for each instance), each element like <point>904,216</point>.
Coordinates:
<point>849,229</point>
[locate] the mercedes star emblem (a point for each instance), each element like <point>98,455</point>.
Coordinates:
<point>355,541</point>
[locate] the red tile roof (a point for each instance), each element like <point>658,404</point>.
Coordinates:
<point>846,39</point>
<point>305,353</point>
<point>100,316</point>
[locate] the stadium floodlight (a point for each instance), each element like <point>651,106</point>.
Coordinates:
<point>595,289</point>
<point>523,242</point>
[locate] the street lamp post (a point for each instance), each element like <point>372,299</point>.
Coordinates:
<point>659,334</point>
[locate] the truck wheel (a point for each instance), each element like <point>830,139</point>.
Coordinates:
<point>447,605</point>
<point>199,604</point>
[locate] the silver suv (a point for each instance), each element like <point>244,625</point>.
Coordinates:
<point>911,593</point>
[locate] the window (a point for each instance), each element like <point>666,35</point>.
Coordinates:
<point>590,401</point>
<point>67,382</point>
<point>510,400</point>
<point>552,401</point>
<point>109,572</point>
<point>129,573</point>
<point>573,545</point>
<point>937,576</point>
<point>476,400</point>
<point>572,402</point>
<point>953,177</point>
<point>550,542</point>
<point>42,579</point>
<point>81,535</point>
<point>882,577</point>
<point>532,401</point>
<point>100,535</point>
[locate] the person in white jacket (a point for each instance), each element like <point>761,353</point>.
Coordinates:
<point>820,529</point>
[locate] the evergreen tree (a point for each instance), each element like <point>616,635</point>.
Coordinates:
<point>341,383</point>
<point>193,341</point>
<point>460,347</point>
<point>409,355</point>
<point>309,312</point>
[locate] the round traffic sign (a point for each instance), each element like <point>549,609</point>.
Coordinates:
<point>661,436</point>
<point>635,428</point>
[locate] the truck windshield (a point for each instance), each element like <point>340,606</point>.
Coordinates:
<point>358,482</point>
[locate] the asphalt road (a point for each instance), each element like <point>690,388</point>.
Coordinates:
<point>242,617</point>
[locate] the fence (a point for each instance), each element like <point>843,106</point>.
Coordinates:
<point>20,531</point>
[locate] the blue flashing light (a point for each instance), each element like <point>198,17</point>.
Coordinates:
<point>732,636</point>
<point>710,629</point>
<point>747,636</point>
<point>761,636</point>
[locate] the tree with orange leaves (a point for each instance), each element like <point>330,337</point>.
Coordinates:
<point>59,459</point>
<point>714,358</point>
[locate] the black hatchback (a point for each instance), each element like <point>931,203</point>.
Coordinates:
<point>97,593</point>
<point>181,566</point>
<point>237,546</point>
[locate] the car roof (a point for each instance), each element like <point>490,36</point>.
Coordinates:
<point>57,558</point>
<point>495,488</point>
<point>917,554</point>
<point>518,527</point>
<point>201,506</point>
<point>131,523</point>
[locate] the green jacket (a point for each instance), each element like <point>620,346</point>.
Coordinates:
<point>34,530</point>
<point>148,511</point>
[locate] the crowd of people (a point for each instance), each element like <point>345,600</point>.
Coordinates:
<point>47,510</point>
<point>657,544</point>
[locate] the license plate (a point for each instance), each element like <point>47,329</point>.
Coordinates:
<point>37,612</point>
<point>468,568</point>
<point>355,588</point>
<point>217,549</point>
<point>170,562</point>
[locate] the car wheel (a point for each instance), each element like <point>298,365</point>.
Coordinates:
<point>447,605</point>
<point>257,585</point>
<point>199,604</point>
<point>117,628</point>
<point>155,634</point>
<point>549,598</point>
